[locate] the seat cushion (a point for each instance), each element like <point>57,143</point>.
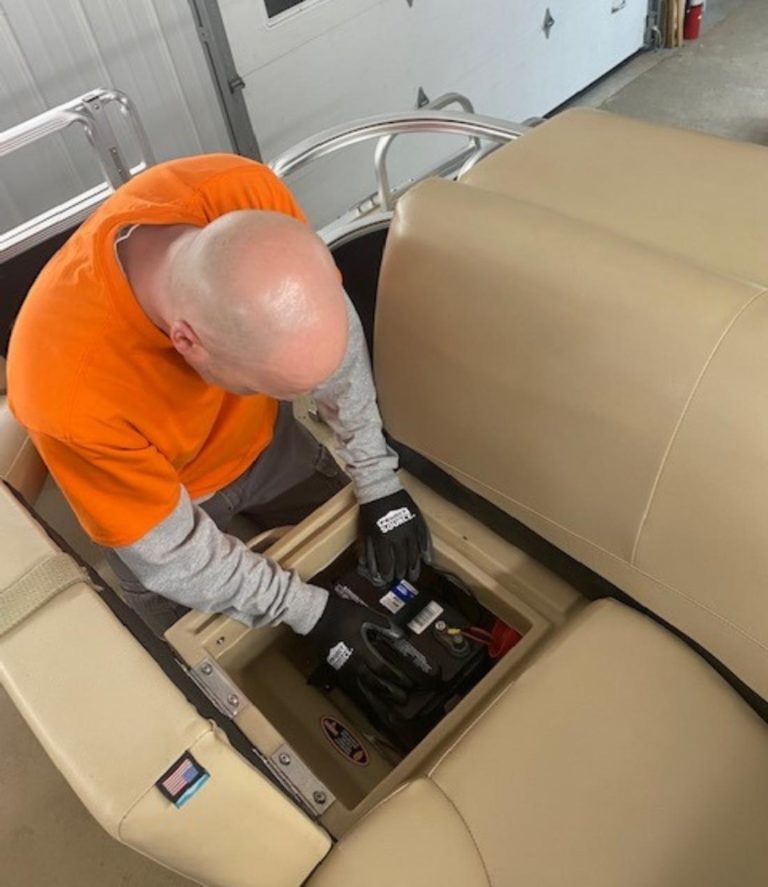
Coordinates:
<point>619,758</point>
<point>113,723</point>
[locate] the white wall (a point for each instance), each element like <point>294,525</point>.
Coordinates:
<point>54,50</point>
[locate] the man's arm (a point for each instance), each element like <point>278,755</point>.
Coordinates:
<point>394,533</point>
<point>187,559</point>
<point>347,403</point>
<point>183,556</point>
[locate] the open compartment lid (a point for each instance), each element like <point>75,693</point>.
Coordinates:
<point>603,391</point>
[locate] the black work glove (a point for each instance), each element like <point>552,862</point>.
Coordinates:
<point>395,538</point>
<point>345,636</point>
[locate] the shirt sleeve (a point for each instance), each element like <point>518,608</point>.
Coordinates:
<point>132,502</point>
<point>187,559</point>
<point>347,403</point>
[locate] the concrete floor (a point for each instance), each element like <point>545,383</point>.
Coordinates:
<point>720,85</point>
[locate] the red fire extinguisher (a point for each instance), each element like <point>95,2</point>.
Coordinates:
<point>693,14</point>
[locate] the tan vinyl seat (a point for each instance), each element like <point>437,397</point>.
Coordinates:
<point>606,392</point>
<point>619,758</point>
<point>568,333</point>
<point>20,464</point>
<point>113,723</point>
<point>678,191</point>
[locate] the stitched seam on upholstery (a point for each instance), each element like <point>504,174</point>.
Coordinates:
<point>745,634</point>
<point>469,832</point>
<point>686,407</point>
<point>148,790</point>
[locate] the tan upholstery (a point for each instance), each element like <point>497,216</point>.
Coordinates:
<point>20,464</point>
<point>619,758</point>
<point>113,723</point>
<point>606,393</point>
<point>680,191</point>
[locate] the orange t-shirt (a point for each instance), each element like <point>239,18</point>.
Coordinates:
<point>119,417</point>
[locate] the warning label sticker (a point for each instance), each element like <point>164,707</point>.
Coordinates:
<point>338,655</point>
<point>344,741</point>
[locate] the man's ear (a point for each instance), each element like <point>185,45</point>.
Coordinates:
<point>185,340</point>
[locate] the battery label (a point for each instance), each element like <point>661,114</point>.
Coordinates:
<point>398,596</point>
<point>421,621</point>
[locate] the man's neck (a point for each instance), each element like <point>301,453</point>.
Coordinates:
<point>146,257</point>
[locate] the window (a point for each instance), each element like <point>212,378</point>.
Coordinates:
<point>275,7</point>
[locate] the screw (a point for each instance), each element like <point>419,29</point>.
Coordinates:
<point>319,797</point>
<point>207,668</point>
<point>440,625</point>
<point>284,758</point>
<point>233,700</point>
<point>221,640</point>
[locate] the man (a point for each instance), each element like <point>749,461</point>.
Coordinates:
<point>153,363</point>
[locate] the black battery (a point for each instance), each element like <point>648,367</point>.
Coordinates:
<point>441,661</point>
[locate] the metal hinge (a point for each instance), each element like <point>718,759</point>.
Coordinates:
<point>219,688</point>
<point>290,769</point>
<point>236,83</point>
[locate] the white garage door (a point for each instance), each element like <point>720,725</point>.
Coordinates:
<point>312,64</point>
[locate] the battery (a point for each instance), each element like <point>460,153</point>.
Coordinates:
<point>443,662</point>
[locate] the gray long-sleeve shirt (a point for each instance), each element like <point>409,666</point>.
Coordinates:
<point>187,559</point>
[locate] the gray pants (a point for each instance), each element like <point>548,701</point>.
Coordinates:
<point>288,481</point>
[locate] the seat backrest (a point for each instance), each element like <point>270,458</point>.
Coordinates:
<point>682,192</point>
<point>607,393</point>
<point>114,724</point>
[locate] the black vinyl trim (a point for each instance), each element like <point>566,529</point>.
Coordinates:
<point>173,669</point>
<point>590,584</point>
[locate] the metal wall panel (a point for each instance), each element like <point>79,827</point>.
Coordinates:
<point>53,50</point>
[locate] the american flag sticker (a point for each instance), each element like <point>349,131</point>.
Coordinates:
<point>182,780</point>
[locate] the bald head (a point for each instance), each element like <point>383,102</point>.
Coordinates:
<point>255,303</point>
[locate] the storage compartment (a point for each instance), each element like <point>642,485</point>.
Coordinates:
<point>361,745</point>
<point>449,642</point>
